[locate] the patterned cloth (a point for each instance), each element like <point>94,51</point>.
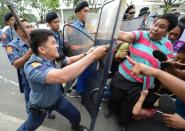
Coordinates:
<point>141,51</point>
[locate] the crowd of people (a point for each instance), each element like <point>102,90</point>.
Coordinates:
<point>134,93</point>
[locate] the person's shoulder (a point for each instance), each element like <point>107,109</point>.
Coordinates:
<point>5,29</point>
<point>144,31</point>
<point>15,42</point>
<point>76,23</point>
<point>165,40</point>
<point>32,63</point>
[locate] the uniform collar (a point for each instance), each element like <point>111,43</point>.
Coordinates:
<point>41,60</point>
<point>22,43</point>
<point>81,23</point>
<point>54,32</point>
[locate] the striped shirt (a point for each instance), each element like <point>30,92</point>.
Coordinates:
<point>141,51</point>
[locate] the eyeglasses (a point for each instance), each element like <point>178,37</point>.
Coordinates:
<point>131,13</point>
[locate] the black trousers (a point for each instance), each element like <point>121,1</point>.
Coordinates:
<point>124,95</point>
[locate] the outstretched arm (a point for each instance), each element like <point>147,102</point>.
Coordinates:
<point>174,84</point>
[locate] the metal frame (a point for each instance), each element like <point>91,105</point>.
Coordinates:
<point>106,67</point>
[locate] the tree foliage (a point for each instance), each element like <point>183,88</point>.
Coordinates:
<point>31,8</point>
<point>168,5</point>
<point>42,7</point>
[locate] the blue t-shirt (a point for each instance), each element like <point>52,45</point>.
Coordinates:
<point>42,94</point>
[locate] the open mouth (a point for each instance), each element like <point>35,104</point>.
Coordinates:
<point>153,33</point>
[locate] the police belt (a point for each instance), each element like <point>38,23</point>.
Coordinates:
<point>38,110</point>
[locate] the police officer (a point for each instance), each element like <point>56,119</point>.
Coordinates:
<point>54,24</point>
<point>81,11</point>
<point>45,80</point>
<point>19,52</point>
<point>8,31</point>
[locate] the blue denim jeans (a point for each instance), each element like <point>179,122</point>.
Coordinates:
<point>62,106</point>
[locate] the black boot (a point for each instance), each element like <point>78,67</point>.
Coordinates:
<point>79,128</point>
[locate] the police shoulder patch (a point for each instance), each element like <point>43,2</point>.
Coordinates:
<point>9,49</point>
<point>35,64</point>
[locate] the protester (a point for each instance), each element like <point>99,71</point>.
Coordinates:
<point>176,12</point>
<point>138,111</point>
<point>177,121</point>
<point>175,33</point>
<point>45,79</point>
<point>172,83</point>
<point>182,20</point>
<point>129,12</point>
<point>144,12</point>
<point>126,88</point>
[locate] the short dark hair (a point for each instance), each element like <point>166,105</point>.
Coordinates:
<point>144,11</point>
<point>39,37</point>
<point>81,5</point>
<point>51,16</point>
<point>172,18</point>
<point>182,27</point>
<point>8,16</point>
<point>182,19</point>
<point>16,25</point>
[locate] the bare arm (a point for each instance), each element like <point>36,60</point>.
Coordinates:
<point>174,68</point>
<point>19,63</point>
<point>73,59</point>
<point>174,84</point>
<point>126,37</point>
<point>177,72</point>
<point>70,72</point>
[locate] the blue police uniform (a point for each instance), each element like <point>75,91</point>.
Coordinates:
<point>45,97</point>
<point>10,35</point>
<point>59,40</point>
<point>15,50</point>
<point>79,25</point>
